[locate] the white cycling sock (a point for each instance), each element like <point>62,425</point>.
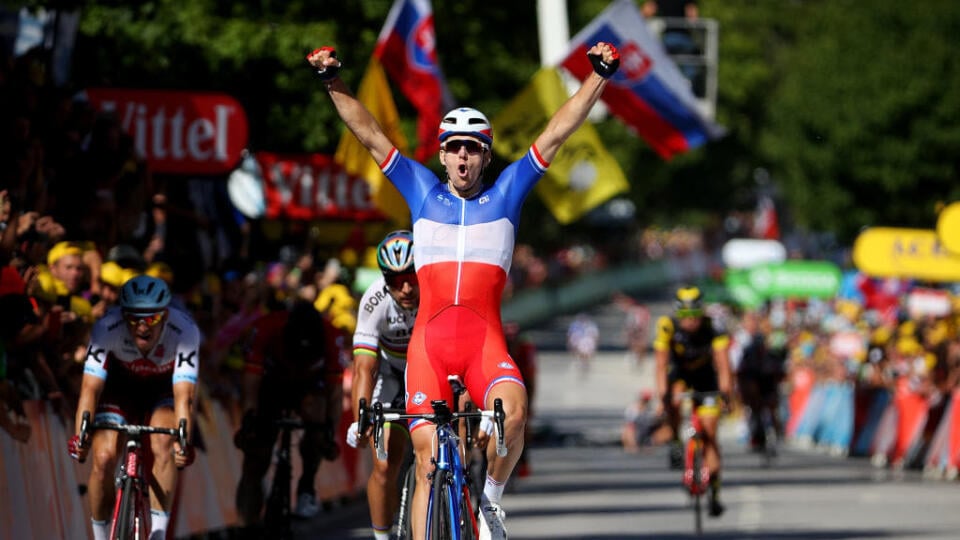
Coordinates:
<point>158,524</point>
<point>381,535</point>
<point>101,529</point>
<point>493,490</point>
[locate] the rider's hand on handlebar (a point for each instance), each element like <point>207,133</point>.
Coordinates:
<point>183,457</point>
<point>353,435</point>
<point>76,450</point>
<point>484,432</point>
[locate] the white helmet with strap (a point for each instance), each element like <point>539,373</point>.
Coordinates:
<point>466,121</point>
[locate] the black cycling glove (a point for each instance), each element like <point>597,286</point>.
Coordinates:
<point>602,68</point>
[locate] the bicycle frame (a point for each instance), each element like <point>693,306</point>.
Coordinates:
<point>449,474</point>
<point>131,508</point>
<point>277,513</point>
<point>696,475</point>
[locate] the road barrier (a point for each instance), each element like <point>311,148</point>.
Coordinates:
<point>44,491</point>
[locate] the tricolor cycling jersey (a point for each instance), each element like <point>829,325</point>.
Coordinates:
<point>113,352</point>
<point>383,327</point>
<point>462,250</point>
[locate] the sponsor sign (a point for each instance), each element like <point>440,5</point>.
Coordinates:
<point>922,302</point>
<point>747,252</point>
<point>948,228</point>
<point>179,132</point>
<point>904,253</point>
<point>313,186</point>
<point>795,279</point>
<point>740,290</point>
<point>848,345</point>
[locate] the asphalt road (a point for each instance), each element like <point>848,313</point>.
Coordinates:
<point>584,486</point>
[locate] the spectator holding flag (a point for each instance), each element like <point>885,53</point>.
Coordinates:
<point>464,230</point>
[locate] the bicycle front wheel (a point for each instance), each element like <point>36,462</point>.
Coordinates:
<point>125,524</point>
<point>698,481</point>
<point>404,529</point>
<point>440,507</point>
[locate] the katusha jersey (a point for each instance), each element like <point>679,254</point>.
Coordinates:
<point>113,355</point>
<point>462,251</point>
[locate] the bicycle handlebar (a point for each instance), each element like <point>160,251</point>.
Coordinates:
<point>441,415</point>
<point>86,427</point>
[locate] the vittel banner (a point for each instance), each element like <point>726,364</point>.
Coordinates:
<point>313,186</point>
<point>179,132</point>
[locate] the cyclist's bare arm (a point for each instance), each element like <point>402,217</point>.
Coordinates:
<point>365,368</point>
<point>90,389</point>
<point>357,118</point>
<point>721,360</point>
<point>183,398</point>
<point>572,114</point>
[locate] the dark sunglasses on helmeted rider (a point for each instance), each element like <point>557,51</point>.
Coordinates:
<point>472,146</point>
<point>398,280</point>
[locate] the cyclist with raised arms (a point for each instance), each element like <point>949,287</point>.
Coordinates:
<point>691,355</point>
<point>464,229</point>
<point>385,319</point>
<point>141,368</point>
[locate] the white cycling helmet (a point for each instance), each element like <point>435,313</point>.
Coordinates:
<point>466,121</point>
<point>395,253</point>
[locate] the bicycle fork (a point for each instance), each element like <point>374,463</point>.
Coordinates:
<point>696,475</point>
<point>128,479</point>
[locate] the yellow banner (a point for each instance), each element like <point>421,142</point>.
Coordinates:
<point>904,253</point>
<point>582,175</point>
<point>374,93</point>
<point>948,228</point>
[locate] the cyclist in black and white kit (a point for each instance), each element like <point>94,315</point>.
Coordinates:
<point>141,368</point>
<point>384,324</point>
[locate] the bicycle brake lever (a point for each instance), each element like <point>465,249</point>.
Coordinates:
<point>498,417</point>
<point>182,436</point>
<point>378,431</point>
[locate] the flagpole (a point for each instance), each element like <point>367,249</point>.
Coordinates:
<point>554,38</point>
<point>554,31</point>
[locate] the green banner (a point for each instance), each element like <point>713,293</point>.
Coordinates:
<point>738,287</point>
<point>795,279</point>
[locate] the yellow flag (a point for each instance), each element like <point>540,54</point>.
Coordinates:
<point>374,93</point>
<point>582,175</point>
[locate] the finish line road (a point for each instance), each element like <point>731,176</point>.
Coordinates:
<point>584,486</point>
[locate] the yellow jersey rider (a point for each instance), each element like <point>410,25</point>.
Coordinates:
<point>691,354</point>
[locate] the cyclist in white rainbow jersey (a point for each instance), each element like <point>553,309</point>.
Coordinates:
<point>141,368</point>
<point>388,309</point>
<point>463,232</point>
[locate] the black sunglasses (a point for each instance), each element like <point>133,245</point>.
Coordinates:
<point>397,281</point>
<point>472,146</point>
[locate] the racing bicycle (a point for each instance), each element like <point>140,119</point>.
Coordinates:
<point>276,516</point>
<point>450,512</point>
<point>131,511</point>
<point>696,475</point>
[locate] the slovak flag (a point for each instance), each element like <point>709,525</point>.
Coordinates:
<point>407,51</point>
<point>648,92</point>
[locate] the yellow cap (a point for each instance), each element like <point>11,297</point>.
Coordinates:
<point>60,250</point>
<point>160,270</point>
<point>111,273</point>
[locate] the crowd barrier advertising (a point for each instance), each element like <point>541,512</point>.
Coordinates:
<point>948,228</point>
<point>44,496</point>
<point>179,132</point>
<point>904,253</point>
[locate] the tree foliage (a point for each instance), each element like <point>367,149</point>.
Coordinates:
<point>852,106</point>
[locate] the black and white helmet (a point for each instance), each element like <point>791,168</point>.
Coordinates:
<point>466,121</point>
<point>395,253</point>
